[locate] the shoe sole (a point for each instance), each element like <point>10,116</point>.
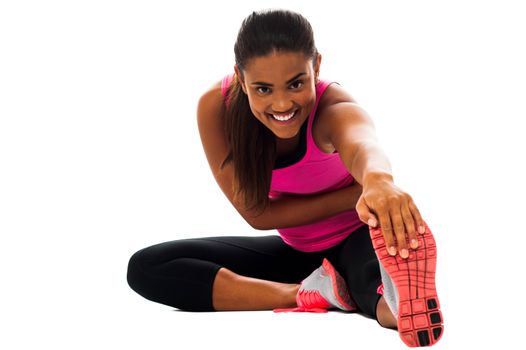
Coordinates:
<point>420,321</point>
<point>339,287</point>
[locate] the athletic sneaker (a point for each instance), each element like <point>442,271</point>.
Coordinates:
<point>409,289</point>
<point>324,289</point>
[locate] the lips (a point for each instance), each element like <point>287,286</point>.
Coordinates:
<point>289,121</point>
<point>284,114</point>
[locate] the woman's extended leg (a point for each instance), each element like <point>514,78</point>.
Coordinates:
<point>221,273</point>
<point>356,260</point>
<point>384,315</point>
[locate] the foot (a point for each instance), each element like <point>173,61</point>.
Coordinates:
<point>324,289</point>
<point>417,309</point>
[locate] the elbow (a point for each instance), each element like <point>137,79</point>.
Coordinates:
<point>256,224</point>
<point>260,219</point>
<point>259,223</point>
<point>253,223</point>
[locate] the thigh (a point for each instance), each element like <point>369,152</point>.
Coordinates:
<point>264,257</point>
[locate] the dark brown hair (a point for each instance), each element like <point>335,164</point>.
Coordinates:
<point>252,146</point>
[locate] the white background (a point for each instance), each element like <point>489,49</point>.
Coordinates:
<point>100,156</point>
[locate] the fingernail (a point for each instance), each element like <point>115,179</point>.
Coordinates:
<point>414,243</point>
<point>421,230</point>
<point>372,222</point>
<point>404,253</point>
<point>392,250</point>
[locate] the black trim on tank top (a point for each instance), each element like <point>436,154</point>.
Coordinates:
<point>300,152</point>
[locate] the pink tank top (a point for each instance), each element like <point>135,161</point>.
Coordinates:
<point>316,172</point>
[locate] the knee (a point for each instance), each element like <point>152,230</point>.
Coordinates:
<point>136,272</point>
<point>141,267</point>
<point>164,273</point>
<point>150,277</point>
<point>141,273</point>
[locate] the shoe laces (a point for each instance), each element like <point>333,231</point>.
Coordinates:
<point>311,299</point>
<point>308,301</point>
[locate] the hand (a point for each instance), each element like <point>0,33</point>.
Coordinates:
<point>399,217</point>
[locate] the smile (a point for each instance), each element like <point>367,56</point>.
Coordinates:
<point>284,118</point>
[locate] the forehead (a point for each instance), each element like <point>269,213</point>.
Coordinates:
<point>277,66</point>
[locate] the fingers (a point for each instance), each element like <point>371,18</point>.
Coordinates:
<point>399,221</point>
<point>398,218</point>
<point>419,222</point>
<point>387,231</point>
<point>365,214</point>
<point>385,224</point>
<point>399,228</point>
<point>410,227</point>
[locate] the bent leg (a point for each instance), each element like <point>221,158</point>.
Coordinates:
<point>182,273</point>
<point>233,292</point>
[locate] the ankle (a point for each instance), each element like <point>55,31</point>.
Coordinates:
<point>384,316</point>
<point>290,295</point>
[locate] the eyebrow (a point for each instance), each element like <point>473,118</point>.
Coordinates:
<point>288,81</point>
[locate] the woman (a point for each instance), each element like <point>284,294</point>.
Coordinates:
<point>295,153</point>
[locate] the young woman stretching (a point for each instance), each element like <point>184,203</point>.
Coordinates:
<point>296,153</point>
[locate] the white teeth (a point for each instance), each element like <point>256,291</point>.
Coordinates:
<point>285,117</point>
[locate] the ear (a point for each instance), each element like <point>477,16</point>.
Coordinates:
<point>240,78</point>
<point>317,65</point>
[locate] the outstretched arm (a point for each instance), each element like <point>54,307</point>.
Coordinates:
<point>352,133</point>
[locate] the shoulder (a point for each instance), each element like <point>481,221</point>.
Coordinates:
<point>212,94</point>
<point>211,103</point>
<point>210,112</point>
<point>344,124</point>
<point>216,93</point>
<point>210,121</point>
<point>334,94</point>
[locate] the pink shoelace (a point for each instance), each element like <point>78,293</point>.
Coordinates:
<point>308,301</point>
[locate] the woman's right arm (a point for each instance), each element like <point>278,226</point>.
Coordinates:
<point>285,211</point>
<point>291,211</point>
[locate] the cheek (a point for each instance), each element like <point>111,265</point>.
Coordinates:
<point>257,108</point>
<point>308,100</point>
<point>254,105</point>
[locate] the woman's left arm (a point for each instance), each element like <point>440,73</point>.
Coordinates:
<point>351,131</point>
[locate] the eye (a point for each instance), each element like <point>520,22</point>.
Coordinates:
<point>297,82</point>
<point>262,87</point>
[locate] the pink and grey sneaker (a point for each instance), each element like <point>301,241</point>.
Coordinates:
<point>324,289</point>
<point>409,289</point>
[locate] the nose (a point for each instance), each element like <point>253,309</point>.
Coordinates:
<point>282,104</point>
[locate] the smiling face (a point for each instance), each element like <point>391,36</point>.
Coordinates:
<point>281,84</point>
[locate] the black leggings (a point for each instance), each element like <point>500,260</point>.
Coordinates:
<point>181,273</point>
